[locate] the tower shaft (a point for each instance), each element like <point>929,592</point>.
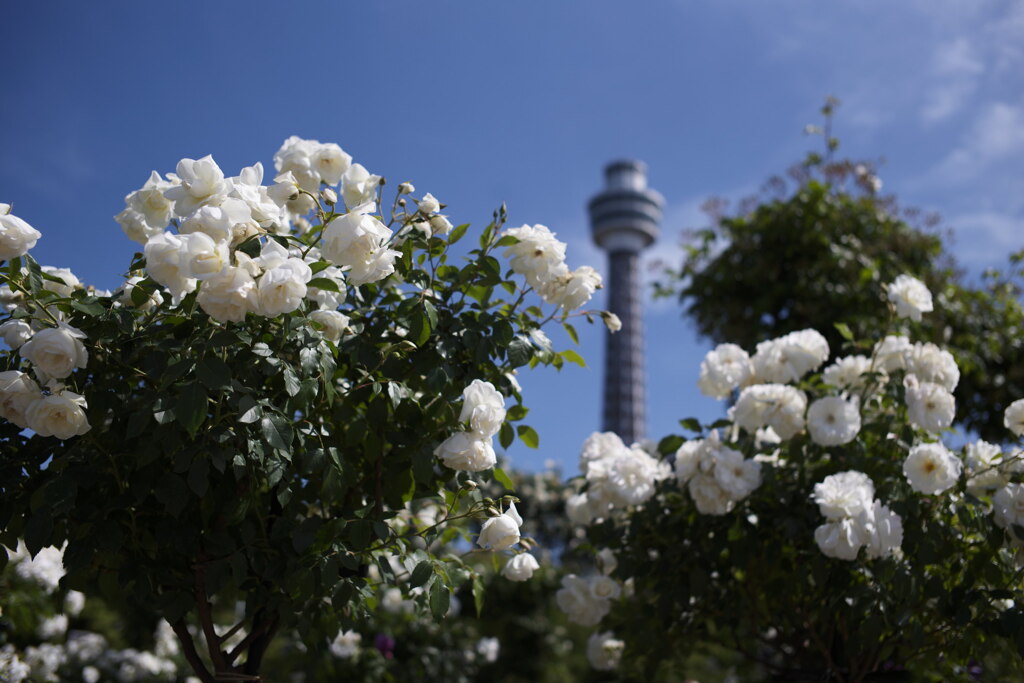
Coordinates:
<point>624,386</point>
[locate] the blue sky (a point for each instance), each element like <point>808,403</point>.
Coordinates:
<point>525,102</point>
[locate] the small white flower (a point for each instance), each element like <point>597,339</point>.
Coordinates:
<point>520,567</point>
<point>845,494</point>
<point>15,333</point>
<point>889,353</point>
<point>723,369</point>
<point>16,237</point>
<point>1013,417</point>
<point>334,323</point>
<point>501,532</point>
<point>929,406</point>
<point>61,415</point>
<point>833,421</point>
<point>56,351</point>
<point>929,363</point>
<point>483,407</point>
<point>841,539</point>
<point>467,451</point>
<point>910,296</point>
<point>931,468</point>
<point>611,321</point>
<point>604,651</point>
<point>847,373</point>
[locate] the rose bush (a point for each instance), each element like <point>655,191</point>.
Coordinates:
<point>822,531</point>
<point>274,385</point>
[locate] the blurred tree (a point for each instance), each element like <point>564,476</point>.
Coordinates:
<point>811,251</point>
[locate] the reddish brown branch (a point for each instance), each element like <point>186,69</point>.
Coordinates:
<point>188,647</point>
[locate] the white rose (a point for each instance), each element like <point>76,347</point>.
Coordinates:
<point>440,225</point>
<point>202,182</point>
<point>709,496</point>
<point>501,532</point>
<point>15,333</point>
<point>883,530</point>
<point>847,373</point>
<point>229,295</point>
<point>17,392</point>
<point>483,408</point>
<point>357,241</point>
<point>845,494</point>
<point>910,296</point>
<point>429,204</point>
<point>1013,417</point>
<point>282,289</point>
<point>212,221</point>
<point>202,257</point>
<point>723,369</point>
<point>359,186</point>
<point>164,264</point>
<point>578,602</point>
<point>155,299</point>
<point>929,405</point>
<point>325,298</point>
<point>931,364</point>
<point>604,587</point>
<point>577,509</point>
<point>983,461</point>
<point>778,406</point>
<point>604,651</point>
<point>331,162</point>
<point>520,567</point>
<point>889,353</point>
<point>611,321</point>
<point>841,539</point>
<point>538,256</point>
<point>1008,505</point>
<point>16,237</point>
<point>570,290</point>
<point>598,446</point>
<point>56,351</point>
<point>68,282</point>
<point>467,451</point>
<point>151,204</point>
<point>333,323</point>
<point>134,225</point>
<point>833,421</point>
<point>60,415</point>
<point>737,476</point>
<point>346,644</point>
<point>931,468</point>
<point>789,357</point>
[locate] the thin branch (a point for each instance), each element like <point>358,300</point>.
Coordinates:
<point>189,649</point>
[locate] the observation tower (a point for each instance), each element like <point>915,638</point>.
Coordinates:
<point>624,220</point>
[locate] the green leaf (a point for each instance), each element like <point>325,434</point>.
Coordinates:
<point>38,529</point>
<point>670,444</point>
<point>276,431</point>
<point>691,423</point>
<point>528,436</point>
<point>503,479</point>
<point>190,408</point>
<point>431,313</point>
<point>478,593</point>
<point>574,357</point>
<point>506,436</point>
<point>214,373</point>
<point>520,352</point>
<point>440,599</point>
<point>199,476</point>
<point>571,331</point>
<point>421,574</point>
<point>516,413</point>
<point>291,382</point>
<point>844,330</point>
<point>248,410</point>
<point>92,307</point>
<point>457,233</point>
<point>324,284</point>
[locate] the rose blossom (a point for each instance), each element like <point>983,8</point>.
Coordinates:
<point>467,451</point>
<point>833,421</point>
<point>17,392</point>
<point>56,351</point>
<point>16,237</point>
<point>910,296</point>
<point>15,333</point>
<point>931,468</point>
<point>723,369</point>
<point>483,408</point>
<point>334,323</point>
<point>1013,417</point>
<point>501,532</point>
<point>60,415</point>
<point>520,567</point>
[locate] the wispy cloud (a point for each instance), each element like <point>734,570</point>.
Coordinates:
<point>955,70</point>
<point>997,134</point>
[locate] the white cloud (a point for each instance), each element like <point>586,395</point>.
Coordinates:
<point>956,68</point>
<point>984,239</point>
<point>996,134</point>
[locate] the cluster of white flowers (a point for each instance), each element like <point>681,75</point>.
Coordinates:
<point>778,406</point>
<point>855,518</point>
<point>59,413</point>
<point>45,569</point>
<point>617,476</point>
<point>724,369</point>
<point>483,410</point>
<point>716,476</point>
<point>540,258</point>
<point>215,214</point>
<point>789,357</point>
